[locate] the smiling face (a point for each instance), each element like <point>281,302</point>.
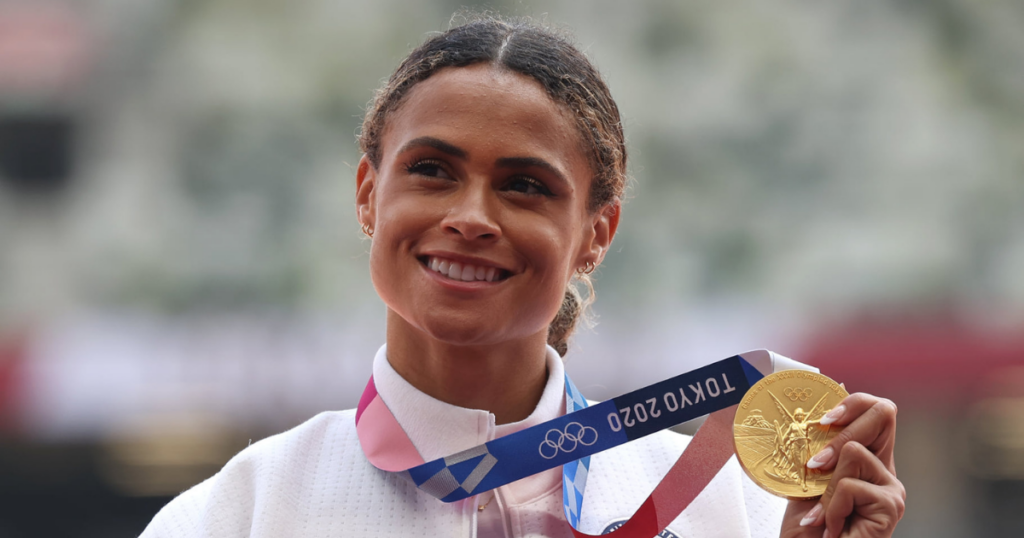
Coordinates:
<point>479,208</point>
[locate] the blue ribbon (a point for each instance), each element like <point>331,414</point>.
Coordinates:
<point>585,430</point>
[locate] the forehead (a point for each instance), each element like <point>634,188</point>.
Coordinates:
<point>488,110</point>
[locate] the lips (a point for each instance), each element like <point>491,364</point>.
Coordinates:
<point>465,272</point>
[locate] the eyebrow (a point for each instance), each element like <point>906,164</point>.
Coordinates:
<point>435,143</point>
<point>528,162</point>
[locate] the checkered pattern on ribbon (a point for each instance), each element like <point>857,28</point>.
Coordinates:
<point>443,483</point>
<point>574,473</point>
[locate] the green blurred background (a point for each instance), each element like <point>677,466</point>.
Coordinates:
<point>181,270</point>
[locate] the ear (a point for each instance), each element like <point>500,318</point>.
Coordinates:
<point>366,180</point>
<point>603,224</point>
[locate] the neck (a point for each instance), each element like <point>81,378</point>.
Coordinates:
<point>506,379</point>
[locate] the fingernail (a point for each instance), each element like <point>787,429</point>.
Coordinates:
<point>825,534</point>
<point>833,415</point>
<point>811,516</point>
<point>821,458</point>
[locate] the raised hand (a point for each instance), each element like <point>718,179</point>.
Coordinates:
<point>864,498</point>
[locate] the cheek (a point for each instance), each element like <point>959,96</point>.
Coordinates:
<point>400,217</point>
<point>553,251</point>
<point>395,226</point>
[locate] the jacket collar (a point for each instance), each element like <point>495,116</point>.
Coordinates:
<point>438,429</point>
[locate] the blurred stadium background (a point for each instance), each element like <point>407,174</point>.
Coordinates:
<point>181,271</point>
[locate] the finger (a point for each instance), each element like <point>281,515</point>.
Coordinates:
<point>877,509</point>
<point>858,463</point>
<point>793,521</point>
<point>868,420</point>
<point>852,407</point>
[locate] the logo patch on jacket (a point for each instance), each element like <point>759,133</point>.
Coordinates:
<point>614,525</point>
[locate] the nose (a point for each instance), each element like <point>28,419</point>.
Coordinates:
<point>472,215</point>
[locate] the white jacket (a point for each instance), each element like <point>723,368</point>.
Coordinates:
<point>314,481</point>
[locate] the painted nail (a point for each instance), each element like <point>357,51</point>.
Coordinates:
<point>821,458</point>
<point>833,415</point>
<point>811,516</point>
<point>825,534</point>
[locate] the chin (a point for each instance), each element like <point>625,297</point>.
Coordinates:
<point>474,331</point>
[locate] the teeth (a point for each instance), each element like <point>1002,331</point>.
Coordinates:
<point>463,272</point>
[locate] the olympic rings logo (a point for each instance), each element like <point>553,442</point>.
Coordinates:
<point>797,394</point>
<point>575,434</point>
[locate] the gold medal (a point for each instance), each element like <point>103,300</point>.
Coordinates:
<point>778,428</point>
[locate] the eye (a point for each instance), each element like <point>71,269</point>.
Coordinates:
<point>527,185</point>
<point>428,168</point>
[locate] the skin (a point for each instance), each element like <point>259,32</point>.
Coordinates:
<point>479,165</point>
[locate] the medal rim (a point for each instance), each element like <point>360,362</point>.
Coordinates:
<point>768,379</point>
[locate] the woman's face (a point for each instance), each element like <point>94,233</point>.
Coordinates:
<point>479,207</point>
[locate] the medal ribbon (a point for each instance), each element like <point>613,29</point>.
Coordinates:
<point>571,439</point>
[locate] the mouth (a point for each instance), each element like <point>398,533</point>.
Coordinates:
<point>463,272</point>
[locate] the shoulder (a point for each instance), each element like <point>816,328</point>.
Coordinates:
<point>271,473</point>
<point>274,460</point>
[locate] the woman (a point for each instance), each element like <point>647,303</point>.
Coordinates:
<point>491,183</point>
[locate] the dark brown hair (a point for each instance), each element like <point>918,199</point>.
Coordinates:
<point>550,58</point>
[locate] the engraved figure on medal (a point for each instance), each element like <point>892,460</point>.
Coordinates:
<point>795,443</point>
